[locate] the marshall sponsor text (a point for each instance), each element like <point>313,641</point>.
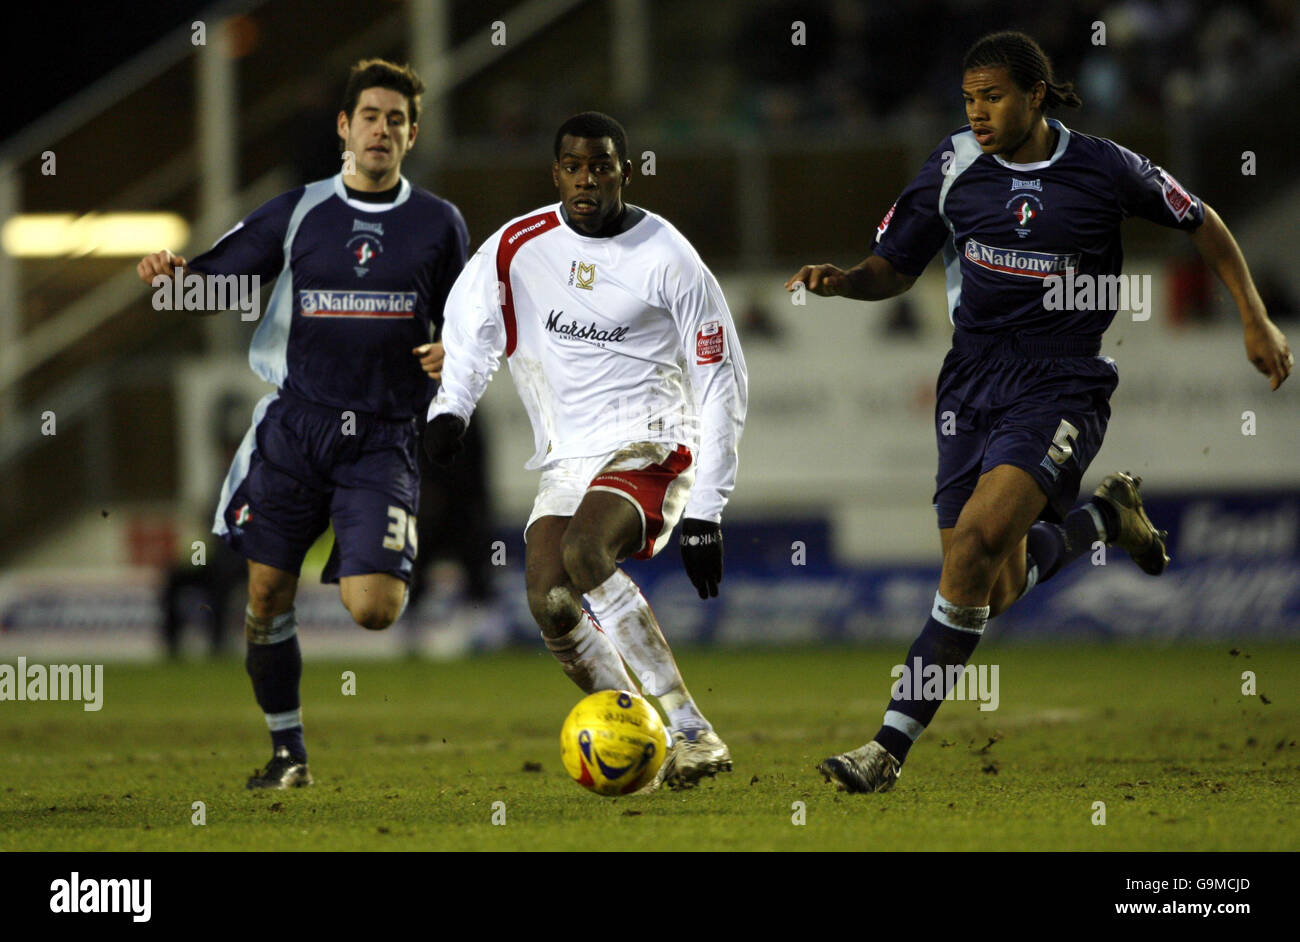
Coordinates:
<point>592,333</point>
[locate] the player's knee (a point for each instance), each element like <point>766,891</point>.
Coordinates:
<point>972,560</point>
<point>975,546</point>
<point>586,559</point>
<point>377,614</point>
<point>266,599</point>
<point>554,609</point>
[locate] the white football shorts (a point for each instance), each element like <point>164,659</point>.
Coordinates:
<point>655,477</point>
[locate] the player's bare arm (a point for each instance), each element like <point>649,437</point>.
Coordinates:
<point>872,279</point>
<point>1266,346</point>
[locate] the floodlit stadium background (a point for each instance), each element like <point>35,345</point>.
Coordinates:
<point>766,154</point>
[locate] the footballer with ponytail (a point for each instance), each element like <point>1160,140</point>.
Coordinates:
<point>1020,205</point>
<point>1026,62</point>
<point>1007,83</point>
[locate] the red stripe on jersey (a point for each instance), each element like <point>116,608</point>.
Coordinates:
<point>512,240</point>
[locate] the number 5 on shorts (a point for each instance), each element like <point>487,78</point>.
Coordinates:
<point>401,529</point>
<point>1063,443</point>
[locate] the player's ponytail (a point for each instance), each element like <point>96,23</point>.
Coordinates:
<point>1026,62</point>
<point>1062,94</point>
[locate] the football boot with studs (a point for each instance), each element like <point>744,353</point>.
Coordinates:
<point>695,754</point>
<point>283,771</point>
<point>871,768</point>
<point>1137,534</point>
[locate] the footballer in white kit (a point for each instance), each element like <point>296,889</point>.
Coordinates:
<point>625,356</point>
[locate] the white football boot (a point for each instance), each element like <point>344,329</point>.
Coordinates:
<point>696,753</point>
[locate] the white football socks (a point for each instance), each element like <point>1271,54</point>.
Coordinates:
<point>626,618</point>
<point>589,659</point>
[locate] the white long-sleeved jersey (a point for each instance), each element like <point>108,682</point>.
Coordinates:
<point>613,340</point>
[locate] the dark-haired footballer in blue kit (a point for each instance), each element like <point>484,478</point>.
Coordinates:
<point>364,262</point>
<point>1027,214</point>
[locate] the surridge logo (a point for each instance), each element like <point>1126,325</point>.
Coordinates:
<point>75,895</point>
<point>592,333</point>
<point>527,229</point>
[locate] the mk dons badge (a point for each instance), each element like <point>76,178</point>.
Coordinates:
<point>586,275</point>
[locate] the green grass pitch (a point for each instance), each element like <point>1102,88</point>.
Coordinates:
<point>418,757</point>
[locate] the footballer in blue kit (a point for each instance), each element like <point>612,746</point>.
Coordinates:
<point>363,263</point>
<point>1027,214</point>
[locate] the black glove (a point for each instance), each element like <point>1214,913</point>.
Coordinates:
<point>442,438</point>
<point>702,555</point>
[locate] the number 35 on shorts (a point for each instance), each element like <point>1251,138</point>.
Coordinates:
<point>1062,444</point>
<point>401,530</point>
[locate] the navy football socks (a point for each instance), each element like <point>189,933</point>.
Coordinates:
<point>948,640</point>
<point>952,631</point>
<point>1051,546</point>
<point>274,663</point>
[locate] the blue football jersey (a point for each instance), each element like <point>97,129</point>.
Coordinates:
<point>359,285</point>
<point>1005,227</point>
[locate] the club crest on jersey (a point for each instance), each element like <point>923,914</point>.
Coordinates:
<point>1020,263</point>
<point>585,275</point>
<point>708,343</point>
<point>1024,208</point>
<point>364,248</point>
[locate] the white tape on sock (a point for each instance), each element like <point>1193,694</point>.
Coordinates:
<point>969,618</point>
